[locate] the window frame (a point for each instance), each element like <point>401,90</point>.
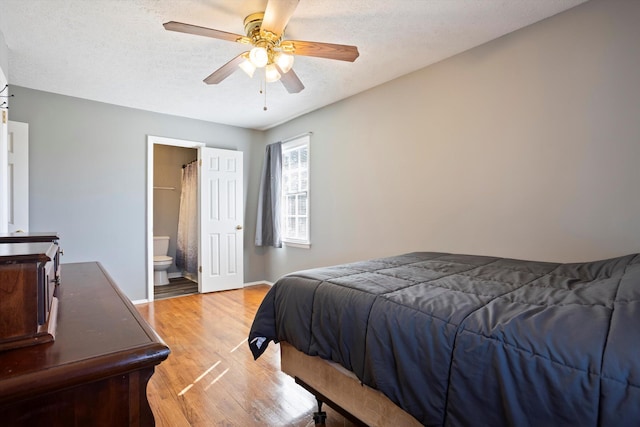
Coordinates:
<point>291,144</point>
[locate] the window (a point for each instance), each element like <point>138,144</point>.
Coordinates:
<point>295,192</point>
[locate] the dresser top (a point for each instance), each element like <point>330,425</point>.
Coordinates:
<point>32,236</point>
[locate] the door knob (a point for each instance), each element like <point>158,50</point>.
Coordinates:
<point>238,227</point>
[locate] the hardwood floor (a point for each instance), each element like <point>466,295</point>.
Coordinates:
<point>210,377</point>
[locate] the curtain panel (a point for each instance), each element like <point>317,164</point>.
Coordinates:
<point>269,199</point>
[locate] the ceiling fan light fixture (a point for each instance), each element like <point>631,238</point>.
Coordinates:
<point>247,66</point>
<point>259,56</point>
<point>265,36</point>
<point>271,73</point>
<point>284,61</point>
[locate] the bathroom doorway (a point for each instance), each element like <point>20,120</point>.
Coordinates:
<point>219,217</point>
<point>169,165</point>
<point>166,158</point>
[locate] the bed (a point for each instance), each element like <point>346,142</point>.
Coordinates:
<point>461,340</point>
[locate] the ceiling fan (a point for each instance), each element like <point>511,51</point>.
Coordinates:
<point>264,32</point>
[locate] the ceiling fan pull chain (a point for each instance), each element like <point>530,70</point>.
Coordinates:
<point>265,91</point>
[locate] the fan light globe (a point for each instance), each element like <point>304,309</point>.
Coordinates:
<point>271,73</point>
<point>259,56</point>
<point>247,66</point>
<point>284,61</point>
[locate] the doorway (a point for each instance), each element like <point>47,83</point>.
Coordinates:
<point>18,177</point>
<point>175,220</point>
<point>219,212</point>
<point>162,187</point>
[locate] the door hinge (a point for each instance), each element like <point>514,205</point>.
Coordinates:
<point>4,117</point>
<point>200,269</point>
<point>200,162</point>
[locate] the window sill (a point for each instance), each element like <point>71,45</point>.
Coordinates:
<point>302,245</point>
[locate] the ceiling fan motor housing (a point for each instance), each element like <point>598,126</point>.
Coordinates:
<point>253,29</point>
<point>259,36</point>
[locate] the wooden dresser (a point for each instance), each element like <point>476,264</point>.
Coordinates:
<point>96,371</point>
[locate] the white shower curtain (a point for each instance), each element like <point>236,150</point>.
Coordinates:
<point>187,245</point>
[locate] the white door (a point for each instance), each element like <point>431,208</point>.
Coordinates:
<point>221,220</point>
<point>18,176</point>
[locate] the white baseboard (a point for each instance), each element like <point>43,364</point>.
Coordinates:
<point>260,282</point>
<point>174,275</point>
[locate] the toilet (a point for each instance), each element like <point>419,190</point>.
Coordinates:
<point>161,262</point>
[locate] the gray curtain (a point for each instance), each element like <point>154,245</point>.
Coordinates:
<point>268,222</point>
<point>187,245</point>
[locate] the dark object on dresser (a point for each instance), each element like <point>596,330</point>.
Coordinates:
<point>28,305</point>
<point>95,372</point>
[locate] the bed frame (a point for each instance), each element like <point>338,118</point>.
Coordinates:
<point>339,388</point>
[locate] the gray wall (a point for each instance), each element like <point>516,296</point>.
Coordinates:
<point>526,147</point>
<point>88,176</point>
<point>167,173</point>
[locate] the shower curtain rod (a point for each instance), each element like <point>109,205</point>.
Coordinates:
<point>187,164</point>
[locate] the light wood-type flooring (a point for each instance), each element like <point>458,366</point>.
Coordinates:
<point>210,377</point>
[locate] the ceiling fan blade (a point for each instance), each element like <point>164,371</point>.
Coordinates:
<point>341,52</point>
<point>225,71</point>
<point>290,81</point>
<point>277,15</point>
<point>202,31</point>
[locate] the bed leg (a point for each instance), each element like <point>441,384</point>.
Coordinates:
<point>319,417</point>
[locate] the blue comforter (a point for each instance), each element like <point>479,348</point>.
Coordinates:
<point>462,340</point>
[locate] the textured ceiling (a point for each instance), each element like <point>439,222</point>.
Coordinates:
<point>117,51</point>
